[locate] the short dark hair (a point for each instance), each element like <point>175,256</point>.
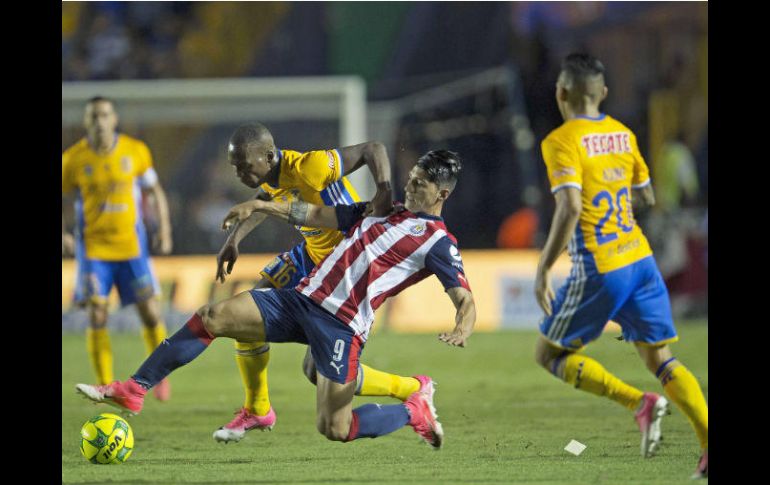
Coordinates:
<point>250,133</point>
<point>580,69</point>
<point>442,167</point>
<point>99,99</point>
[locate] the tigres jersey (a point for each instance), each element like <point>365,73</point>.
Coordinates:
<point>108,191</point>
<point>600,157</point>
<point>315,177</point>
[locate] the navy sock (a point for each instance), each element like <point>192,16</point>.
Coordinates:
<point>182,347</point>
<point>373,420</point>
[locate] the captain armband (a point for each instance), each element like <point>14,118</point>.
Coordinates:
<point>298,213</point>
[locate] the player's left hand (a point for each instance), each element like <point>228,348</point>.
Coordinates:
<point>456,337</point>
<point>544,290</point>
<point>163,243</point>
<point>238,214</point>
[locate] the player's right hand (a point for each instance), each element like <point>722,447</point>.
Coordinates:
<point>228,254</point>
<point>544,291</point>
<point>67,245</point>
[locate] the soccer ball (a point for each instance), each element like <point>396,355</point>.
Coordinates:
<point>106,438</point>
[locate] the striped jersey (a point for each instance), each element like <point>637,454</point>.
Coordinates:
<point>316,177</point>
<point>378,258</point>
<point>600,157</point>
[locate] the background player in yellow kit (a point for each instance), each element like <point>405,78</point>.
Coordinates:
<point>108,172</point>
<point>594,164</point>
<point>316,177</point>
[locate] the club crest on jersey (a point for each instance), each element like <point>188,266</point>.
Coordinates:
<point>125,164</point>
<point>417,229</point>
<point>88,170</point>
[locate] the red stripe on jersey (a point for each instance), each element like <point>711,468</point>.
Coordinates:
<point>337,271</point>
<point>355,350</point>
<point>398,252</point>
<point>414,279</point>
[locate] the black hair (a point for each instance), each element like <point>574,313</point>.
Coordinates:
<point>99,99</point>
<point>442,167</point>
<point>580,69</point>
<point>250,133</point>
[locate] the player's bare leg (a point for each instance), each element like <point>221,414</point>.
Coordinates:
<point>153,333</point>
<point>589,375</point>
<point>237,317</point>
<point>334,408</point>
<point>98,341</point>
<point>681,387</point>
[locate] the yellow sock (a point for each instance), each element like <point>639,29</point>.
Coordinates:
<point>252,359</point>
<point>100,353</point>
<point>682,388</point>
<point>153,336</point>
<point>589,375</point>
<point>378,383</point>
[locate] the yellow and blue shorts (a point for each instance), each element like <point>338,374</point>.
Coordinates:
<point>288,269</point>
<point>634,296</point>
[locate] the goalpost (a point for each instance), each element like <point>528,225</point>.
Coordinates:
<point>212,101</point>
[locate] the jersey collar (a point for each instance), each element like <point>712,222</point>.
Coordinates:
<point>592,118</point>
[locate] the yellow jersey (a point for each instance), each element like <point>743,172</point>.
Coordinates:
<point>600,157</point>
<point>108,196</point>
<point>315,177</point>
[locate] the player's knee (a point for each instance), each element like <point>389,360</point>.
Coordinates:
<point>98,317</point>
<point>211,316</point>
<point>543,358</point>
<point>308,368</point>
<point>332,429</point>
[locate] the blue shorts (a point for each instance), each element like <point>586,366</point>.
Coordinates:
<point>288,269</point>
<point>133,277</point>
<point>634,296</point>
<point>290,316</point>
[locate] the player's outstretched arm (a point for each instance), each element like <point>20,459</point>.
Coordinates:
<point>229,253</point>
<point>374,155</point>
<point>565,218</point>
<point>465,318</point>
<point>296,212</point>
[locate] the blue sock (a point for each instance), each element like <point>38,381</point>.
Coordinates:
<point>182,347</point>
<point>373,420</point>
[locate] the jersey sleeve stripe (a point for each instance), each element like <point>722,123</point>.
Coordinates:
<point>565,185</point>
<point>341,166</point>
<point>643,184</point>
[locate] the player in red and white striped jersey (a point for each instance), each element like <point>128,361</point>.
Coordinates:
<point>332,309</point>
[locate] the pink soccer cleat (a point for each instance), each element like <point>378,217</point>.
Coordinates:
<point>702,471</point>
<point>426,386</point>
<point>126,396</point>
<point>162,391</point>
<point>244,421</point>
<point>648,417</point>
<point>423,417</point>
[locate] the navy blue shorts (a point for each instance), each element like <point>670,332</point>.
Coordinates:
<point>290,316</point>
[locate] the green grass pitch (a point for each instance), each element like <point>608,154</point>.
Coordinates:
<point>506,420</point>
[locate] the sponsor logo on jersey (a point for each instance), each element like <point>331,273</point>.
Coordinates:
<point>331,159</point>
<point>125,164</point>
<point>417,229</point>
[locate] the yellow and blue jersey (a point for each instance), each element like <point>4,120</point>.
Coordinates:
<point>600,157</point>
<point>108,196</point>
<point>316,177</point>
